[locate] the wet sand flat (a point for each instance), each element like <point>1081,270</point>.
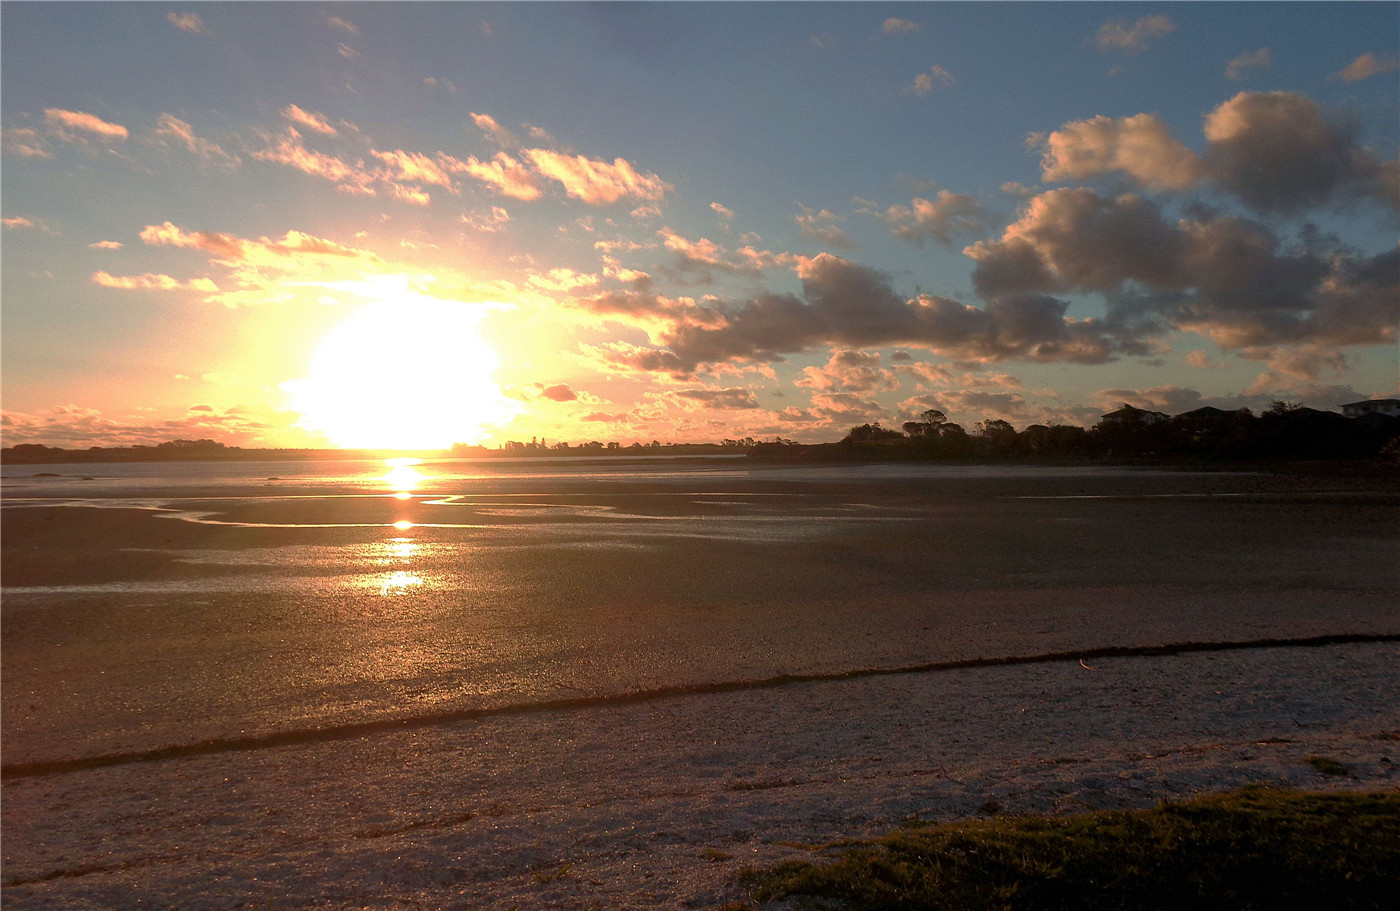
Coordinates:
<point>612,628</point>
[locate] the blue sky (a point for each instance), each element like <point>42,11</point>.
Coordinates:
<point>687,221</point>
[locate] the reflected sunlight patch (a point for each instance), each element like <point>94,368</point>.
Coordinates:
<point>397,583</point>
<point>407,371</point>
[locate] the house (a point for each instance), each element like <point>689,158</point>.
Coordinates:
<point>1129,416</point>
<point>1209,414</point>
<point>1386,407</point>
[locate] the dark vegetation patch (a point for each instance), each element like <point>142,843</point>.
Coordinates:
<point>1254,848</point>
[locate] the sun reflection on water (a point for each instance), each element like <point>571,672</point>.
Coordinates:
<point>402,477</point>
<point>397,583</point>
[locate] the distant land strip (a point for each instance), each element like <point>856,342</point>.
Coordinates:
<point>275,739</point>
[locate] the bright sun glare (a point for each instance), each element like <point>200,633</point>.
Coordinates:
<point>406,372</point>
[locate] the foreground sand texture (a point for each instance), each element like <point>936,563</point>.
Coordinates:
<point>578,703</point>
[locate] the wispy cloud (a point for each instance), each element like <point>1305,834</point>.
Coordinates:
<point>25,142</point>
<point>1249,60</point>
<point>153,282</point>
<point>925,83</point>
<point>64,123</point>
<point>188,22</point>
<point>172,128</point>
<point>308,119</point>
<point>498,134</point>
<point>895,26</point>
<point>1119,35</point>
<point>343,25</point>
<point>821,227</point>
<point>1366,66</point>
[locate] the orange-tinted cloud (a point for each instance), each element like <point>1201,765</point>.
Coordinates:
<point>497,133</point>
<point>25,142</point>
<point>65,122</point>
<point>597,182</point>
<point>153,282</point>
<point>188,22</point>
<point>173,128</point>
<point>1366,66</point>
<point>506,174</point>
<point>308,119</point>
<point>292,251</point>
<point>1139,146</point>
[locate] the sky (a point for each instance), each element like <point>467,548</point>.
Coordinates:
<point>408,225</point>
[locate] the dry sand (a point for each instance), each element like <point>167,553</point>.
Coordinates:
<point>566,765</point>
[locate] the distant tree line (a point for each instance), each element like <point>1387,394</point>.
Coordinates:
<point>1284,431</point>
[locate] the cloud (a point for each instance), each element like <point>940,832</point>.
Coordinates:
<point>345,26</point>
<point>308,119</point>
<point>76,427</point>
<point>925,83</point>
<point>64,123</point>
<point>415,166</point>
<point>292,252</point>
<point>1118,35</point>
<point>819,227</point>
<point>1366,66</point>
<point>940,218</point>
<point>1249,60</point>
<point>731,399</point>
<point>849,370</point>
<point>563,279</point>
<point>25,142</point>
<point>106,245</point>
<point>602,417</point>
<point>628,358</point>
<point>290,151</point>
<point>848,305</point>
<point>446,85</point>
<point>153,282</point>
<point>1139,146</point>
<point>348,52</point>
<point>506,174</point>
<point>495,132</point>
<point>597,182</point>
<point>895,26</point>
<point>723,212</point>
<point>17,222</point>
<point>1225,277</point>
<point>558,393</point>
<point>1277,152</point>
<point>170,127</point>
<point>188,22</point>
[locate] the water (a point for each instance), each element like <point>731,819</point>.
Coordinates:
<point>161,604</point>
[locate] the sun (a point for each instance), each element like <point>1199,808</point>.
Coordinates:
<point>406,372</point>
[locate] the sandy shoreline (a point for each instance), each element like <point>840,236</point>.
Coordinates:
<point>658,805</point>
<point>124,632</point>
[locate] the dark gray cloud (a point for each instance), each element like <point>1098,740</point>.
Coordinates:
<point>1227,277</point>
<point>844,304</point>
<point>1280,153</point>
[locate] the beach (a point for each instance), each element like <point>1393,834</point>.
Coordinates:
<point>616,685</point>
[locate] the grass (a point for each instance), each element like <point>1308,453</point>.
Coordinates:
<point>1250,849</point>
